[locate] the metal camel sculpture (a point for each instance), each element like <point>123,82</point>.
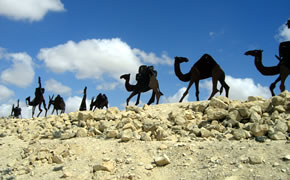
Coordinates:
<point>146,82</point>
<point>100,102</point>
<point>204,68</point>
<point>83,106</point>
<point>38,99</point>
<point>58,104</point>
<point>282,68</point>
<point>16,111</point>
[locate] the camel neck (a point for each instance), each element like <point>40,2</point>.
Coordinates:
<point>128,86</point>
<point>266,71</point>
<point>179,74</point>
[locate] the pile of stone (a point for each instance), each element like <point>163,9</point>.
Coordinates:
<point>219,118</point>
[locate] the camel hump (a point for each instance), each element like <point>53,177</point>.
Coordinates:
<point>145,72</point>
<point>284,50</point>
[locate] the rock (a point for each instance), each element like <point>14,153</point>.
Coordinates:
<point>216,114</point>
<point>255,98</point>
<point>260,138</point>
<point>255,117</point>
<point>217,103</point>
<point>244,112</point>
<point>286,158</point>
<point>276,135</point>
<point>162,160</point>
<point>127,135</point>
<point>56,159</point>
<point>234,115</point>
<point>281,126</point>
<point>112,133</point>
<point>255,159</point>
<point>233,178</point>
<point>82,132</point>
<point>259,129</point>
<point>205,133</point>
<point>105,166</point>
<point>278,100</point>
<point>239,134</point>
<point>84,115</point>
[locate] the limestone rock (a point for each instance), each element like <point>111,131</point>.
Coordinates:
<point>259,129</point>
<point>105,166</point>
<point>162,160</point>
<point>217,103</point>
<point>82,132</point>
<point>127,135</point>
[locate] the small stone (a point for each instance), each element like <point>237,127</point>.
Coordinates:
<point>105,166</point>
<point>82,132</point>
<point>162,147</point>
<point>56,159</point>
<point>162,160</point>
<point>255,160</point>
<point>260,138</point>
<point>286,158</point>
<point>149,167</point>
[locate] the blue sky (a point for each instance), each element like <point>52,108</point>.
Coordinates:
<point>72,44</point>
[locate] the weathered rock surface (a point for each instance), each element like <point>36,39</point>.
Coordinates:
<point>197,140</point>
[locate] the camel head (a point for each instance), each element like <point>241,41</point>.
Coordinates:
<point>180,59</point>
<point>51,101</point>
<point>125,76</point>
<point>255,53</point>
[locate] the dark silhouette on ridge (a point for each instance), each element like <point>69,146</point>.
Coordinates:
<point>204,68</point>
<point>83,106</point>
<point>58,104</point>
<point>16,111</point>
<point>38,99</point>
<point>100,102</point>
<point>146,80</point>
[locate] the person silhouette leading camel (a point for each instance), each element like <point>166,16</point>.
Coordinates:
<point>38,99</point>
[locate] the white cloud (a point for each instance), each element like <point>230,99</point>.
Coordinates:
<point>31,10</point>
<point>284,33</point>
<point>176,97</point>
<point>151,58</point>
<point>72,104</point>
<point>240,89</point>
<point>108,86</point>
<point>5,93</point>
<point>21,73</point>
<point>57,87</point>
<point>98,58</point>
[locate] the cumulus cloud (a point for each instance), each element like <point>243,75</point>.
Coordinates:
<point>96,58</point>
<point>21,72</point>
<point>31,10</point>
<point>151,58</point>
<point>5,93</point>
<point>108,86</point>
<point>73,104</point>
<point>57,87</point>
<point>240,89</point>
<point>176,97</point>
<point>284,33</point>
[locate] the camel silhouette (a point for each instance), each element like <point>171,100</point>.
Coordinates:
<point>145,82</point>
<point>16,111</point>
<point>100,102</point>
<point>38,99</point>
<point>204,68</point>
<point>282,68</point>
<point>58,104</point>
<point>83,106</point>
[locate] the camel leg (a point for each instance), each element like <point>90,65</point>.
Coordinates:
<point>273,85</point>
<point>40,110</point>
<point>284,72</point>
<point>138,99</point>
<point>226,86</point>
<point>186,91</point>
<point>197,90</point>
<point>44,105</point>
<point>152,99</point>
<point>154,85</point>
<point>33,109</point>
<point>214,87</point>
<point>131,95</point>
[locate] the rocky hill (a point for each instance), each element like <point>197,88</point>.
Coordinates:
<point>216,139</point>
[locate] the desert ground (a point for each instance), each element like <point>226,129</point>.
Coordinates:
<point>216,139</point>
